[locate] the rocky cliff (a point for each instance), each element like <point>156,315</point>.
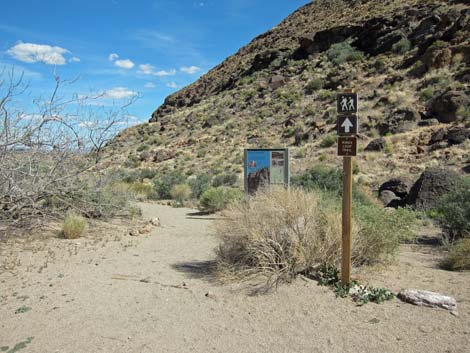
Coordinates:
<point>408,60</point>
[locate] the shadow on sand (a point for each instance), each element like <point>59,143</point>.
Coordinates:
<point>197,269</point>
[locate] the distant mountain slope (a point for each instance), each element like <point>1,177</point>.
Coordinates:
<point>406,59</point>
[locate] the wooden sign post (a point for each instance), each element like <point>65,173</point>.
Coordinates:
<point>347,148</point>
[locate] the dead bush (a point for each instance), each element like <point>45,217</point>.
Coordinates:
<point>281,233</point>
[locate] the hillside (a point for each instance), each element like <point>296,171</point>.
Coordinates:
<point>406,59</point>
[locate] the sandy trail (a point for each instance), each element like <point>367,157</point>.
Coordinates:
<point>147,294</point>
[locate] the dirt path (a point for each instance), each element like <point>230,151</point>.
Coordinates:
<point>148,294</point>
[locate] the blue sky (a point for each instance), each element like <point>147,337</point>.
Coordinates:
<point>122,48</point>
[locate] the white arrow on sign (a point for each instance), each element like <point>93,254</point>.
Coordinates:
<point>347,125</point>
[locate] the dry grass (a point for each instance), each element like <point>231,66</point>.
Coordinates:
<point>74,226</point>
<point>458,258</point>
<point>282,233</point>
<point>279,233</point>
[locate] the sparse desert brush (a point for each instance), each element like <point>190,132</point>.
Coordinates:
<point>280,233</point>
<point>143,191</point>
<point>180,193</point>
<point>74,226</point>
<point>219,198</point>
<point>458,258</point>
<point>453,211</point>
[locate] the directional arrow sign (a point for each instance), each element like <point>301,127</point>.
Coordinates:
<point>347,125</point>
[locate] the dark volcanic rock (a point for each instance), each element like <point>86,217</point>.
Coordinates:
<point>457,135</point>
<point>277,81</point>
<point>163,155</point>
<point>376,145</point>
<point>438,136</point>
<point>445,106</point>
<point>399,186</point>
<point>400,120</point>
<point>430,187</point>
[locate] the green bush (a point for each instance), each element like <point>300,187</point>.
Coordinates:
<point>458,258</point>
<point>226,179</point>
<point>74,226</point>
<point>453,211</point>
<point>217,199</point>
<point>340,53</point>
<point>314,85</point>
<point>328,141</point>
<point>328,180</point>
<point>165,183</point>
<point>199,184</point>
<point>402,46</point>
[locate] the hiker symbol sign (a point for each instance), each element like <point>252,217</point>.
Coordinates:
<point>347,103</point>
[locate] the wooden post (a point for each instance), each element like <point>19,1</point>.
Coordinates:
<point>346,221</point>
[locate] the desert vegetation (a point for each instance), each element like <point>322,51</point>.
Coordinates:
<point>281,233</point>
<point>49,155</point>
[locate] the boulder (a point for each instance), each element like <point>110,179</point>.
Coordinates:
<point>388,198</point>
<point>262,60</point>
<point>457,135</point>
<point>438,136</point>
<point>376,145</point>
<point>398,121</point>
<point>428,299</point>
<point>163,155</point>
<point>277,81</point>
<point>445,107</point>
<point>436,58</point>
<point>399,186</point>
<point>463,76</point>
<point>430,187</point>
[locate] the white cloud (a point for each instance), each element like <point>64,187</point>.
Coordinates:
<point>190,69</point>
<point>172,85</point>
<point>32,53</point>
<point>119,93</point>
<point>113,56</point>
<point>147,69</point>
<point>124,64</point>
<point>150,85</point>
<point>74,60</point>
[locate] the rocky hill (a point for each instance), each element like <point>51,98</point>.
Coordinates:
<point>407,59</point>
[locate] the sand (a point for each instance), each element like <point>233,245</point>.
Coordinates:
<point>156,293</point>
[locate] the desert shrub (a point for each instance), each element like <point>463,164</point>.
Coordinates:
<point>402,46</point>
<point>199,184</point>
<point>314,85</point>
<point>143,191</point>
<point>74,226</point>
<point>225,179</point>
<point>132,161</point>
<point>340,53</point>
<point>147,173</point>
<point>164,184</point>
<point>328,141</point>
<point>453,211</point>
<point>458,258</point>
<point>142,147</point>
<point>217,199</point>
<point>180,193</point>
<point>324,179</point>
<point>282,232</point>
<point>426,94</point>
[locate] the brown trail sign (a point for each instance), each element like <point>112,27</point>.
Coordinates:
<point>347,126</point>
